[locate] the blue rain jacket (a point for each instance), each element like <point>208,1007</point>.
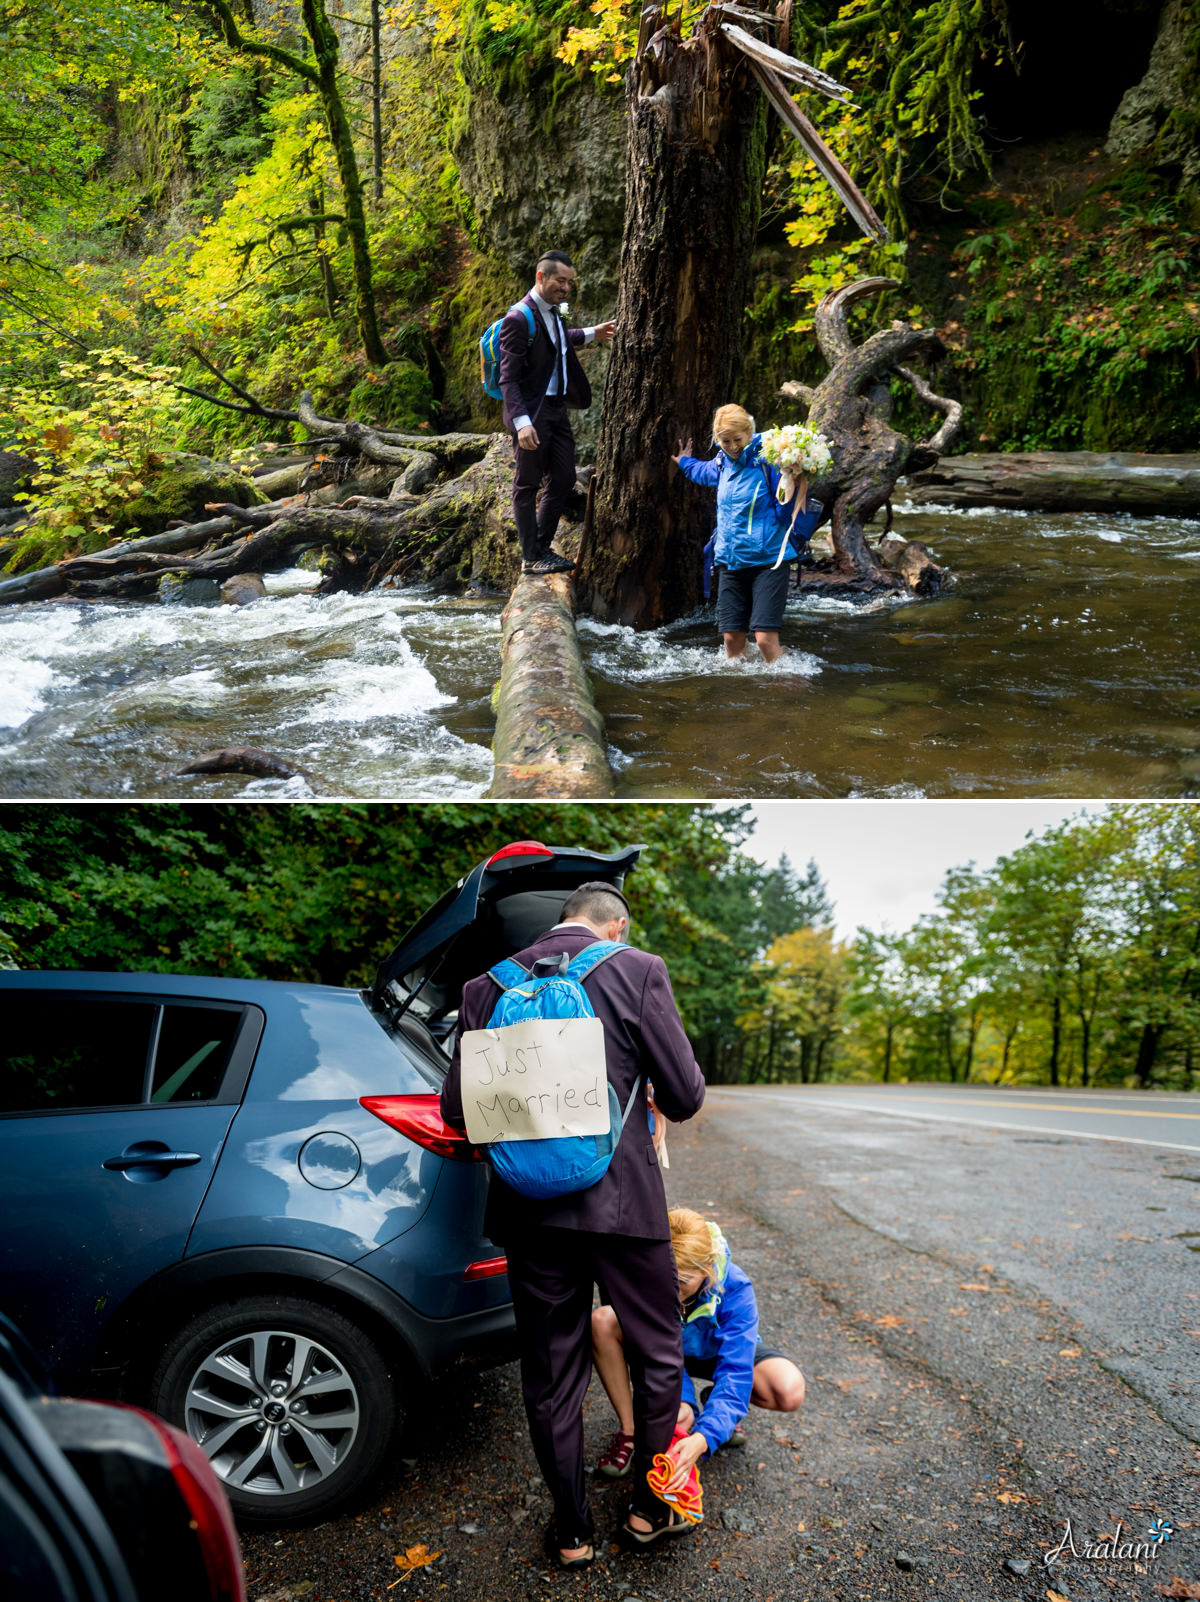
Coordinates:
<point>751,524</point>
<point>723,1325</point>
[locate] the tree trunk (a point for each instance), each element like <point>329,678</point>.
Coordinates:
<point>693,188</point>
<point>325,51</point>
<point>887,1052</point>
<point>549,736</point>
<point>1147,1052</point>
<point>376,107</point>
<point>1055,1039</point>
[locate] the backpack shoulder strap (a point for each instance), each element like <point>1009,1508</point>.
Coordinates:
<point>524,306</point>
<point>508,973</point>
<point>590,958</point>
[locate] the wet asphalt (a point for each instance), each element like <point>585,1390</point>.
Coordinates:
<point>1000,1334</point>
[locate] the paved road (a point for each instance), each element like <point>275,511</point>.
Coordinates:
<point>1170,1120</point>
<point>999,1330</point>
<point>1049,1187</point>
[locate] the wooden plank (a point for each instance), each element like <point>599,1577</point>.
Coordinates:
<point>835,174</point>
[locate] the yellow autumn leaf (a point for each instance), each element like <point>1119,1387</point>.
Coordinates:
<point>415,1557</point>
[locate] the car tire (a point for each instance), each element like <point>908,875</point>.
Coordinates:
<point>292,1403</point>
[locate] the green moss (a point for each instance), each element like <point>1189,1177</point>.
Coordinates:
<point>398,396</point>
<point>181,489</point>
<point>485,289</point>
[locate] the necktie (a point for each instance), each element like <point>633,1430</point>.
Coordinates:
<point>560,353</point>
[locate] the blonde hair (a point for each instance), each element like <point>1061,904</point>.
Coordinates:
<point>692,1243</point>
<point>731,416</point>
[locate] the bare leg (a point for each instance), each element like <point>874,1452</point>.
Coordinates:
<point>768,644</point>
<point>608,1354</point>
<point>778,1385</point>
<point>735,646</point>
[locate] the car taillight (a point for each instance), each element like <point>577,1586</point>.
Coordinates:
<point>521,848</point>
<point>211,1517</point>
<point>489,1268</point>
<point>420,1118</point>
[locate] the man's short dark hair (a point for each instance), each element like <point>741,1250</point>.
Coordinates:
<point>597,901</point>
<point>554,258</point>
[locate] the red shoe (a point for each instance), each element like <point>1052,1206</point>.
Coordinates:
<point>617,1461</point>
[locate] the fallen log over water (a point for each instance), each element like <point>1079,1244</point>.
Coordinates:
<point>1064,481</point>
<point>549,737</point>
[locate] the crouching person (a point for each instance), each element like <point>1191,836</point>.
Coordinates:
<point>721,1345</point>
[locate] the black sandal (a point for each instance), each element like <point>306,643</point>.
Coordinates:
<point>668,1523</point>
<point>555,1550</point>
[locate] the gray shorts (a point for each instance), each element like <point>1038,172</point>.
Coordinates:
<point>706,1367</point>
<point>751,600</point>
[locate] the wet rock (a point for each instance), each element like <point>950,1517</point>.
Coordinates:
<point>242,589</point>
<point>177,589</point>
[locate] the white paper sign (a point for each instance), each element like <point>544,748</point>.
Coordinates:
<point>536,1080</point>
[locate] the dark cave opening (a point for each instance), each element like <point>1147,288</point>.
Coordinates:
<point>1074,61</point>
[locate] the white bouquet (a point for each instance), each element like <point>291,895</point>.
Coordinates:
<point>802,453</point>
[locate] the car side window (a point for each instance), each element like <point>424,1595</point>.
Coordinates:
<point>61,1052</point>
<point>58,1052</point>
<point>193,1048</point>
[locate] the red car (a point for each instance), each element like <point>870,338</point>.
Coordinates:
<point>104,1503</point>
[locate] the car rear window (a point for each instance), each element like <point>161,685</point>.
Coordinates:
<point>193,1048</point>
<point>59,1052</point>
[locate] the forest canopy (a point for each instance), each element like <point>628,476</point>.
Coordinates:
<point>1073,960</point>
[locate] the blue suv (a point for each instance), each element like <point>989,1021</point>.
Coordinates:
<point>235,1201</point>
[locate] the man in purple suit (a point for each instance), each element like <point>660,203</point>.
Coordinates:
<point>540,376</point>
<point>615,1234</point>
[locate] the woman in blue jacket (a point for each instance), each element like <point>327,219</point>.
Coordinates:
<point>756,537</point>
<point>720,1343</point>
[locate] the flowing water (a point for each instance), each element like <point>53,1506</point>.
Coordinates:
<point>1064,661</point>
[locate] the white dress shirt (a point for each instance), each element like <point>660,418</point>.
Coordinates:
<point>556,328</point>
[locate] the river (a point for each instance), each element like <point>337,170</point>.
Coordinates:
<point>1064,661</point>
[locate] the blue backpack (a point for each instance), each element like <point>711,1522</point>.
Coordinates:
<point>489,349</point>
<point>545,1168</point>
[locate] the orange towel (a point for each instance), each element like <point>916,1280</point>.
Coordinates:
<point>689,1500</point>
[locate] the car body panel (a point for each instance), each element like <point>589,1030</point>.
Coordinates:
<point>77,1239</point>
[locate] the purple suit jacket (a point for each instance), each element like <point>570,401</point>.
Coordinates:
<point>526,365</point>
<point>643,1035</point>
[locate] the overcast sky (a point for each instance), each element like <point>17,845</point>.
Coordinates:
<point>883,861</point>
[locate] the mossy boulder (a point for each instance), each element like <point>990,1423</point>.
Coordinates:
<point>180,490</point>
<point>398,396</point>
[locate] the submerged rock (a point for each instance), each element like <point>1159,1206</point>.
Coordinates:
<point>177,589</point>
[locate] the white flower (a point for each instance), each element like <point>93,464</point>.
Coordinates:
<point>799,448</point>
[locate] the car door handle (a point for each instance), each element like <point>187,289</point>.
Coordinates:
<point>142,1158</point>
